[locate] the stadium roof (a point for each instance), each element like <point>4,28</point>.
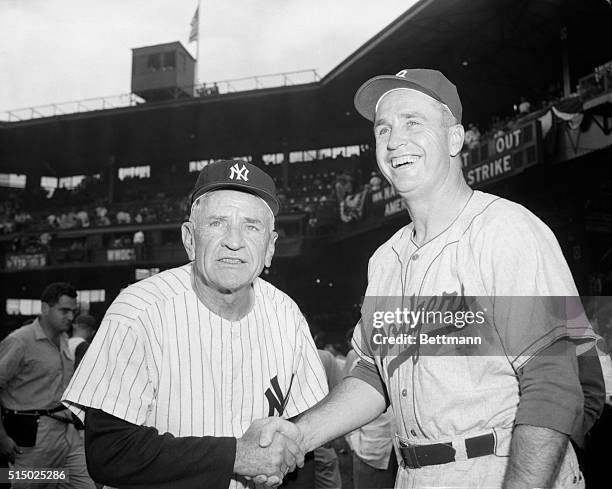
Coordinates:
<point>495,51</point>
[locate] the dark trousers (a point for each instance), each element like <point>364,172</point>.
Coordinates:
<point>367,477</point>
<point>303,478</point>
<point>596,454</point>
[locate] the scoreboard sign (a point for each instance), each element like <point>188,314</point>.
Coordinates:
<point>121,254</point>
<point>503,155</point>
<point>26,260</point>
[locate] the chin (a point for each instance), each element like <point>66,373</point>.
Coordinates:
<point>234,286</point>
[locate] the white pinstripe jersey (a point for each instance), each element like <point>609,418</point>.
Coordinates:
<point>162,359</point>
<point>495,248</point>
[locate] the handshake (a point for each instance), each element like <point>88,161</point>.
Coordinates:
<point>268,450</point>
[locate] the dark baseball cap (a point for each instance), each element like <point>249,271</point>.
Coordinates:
<point>237,175</point>
<point>429,82</point>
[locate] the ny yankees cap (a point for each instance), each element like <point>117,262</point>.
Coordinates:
<point>237,175</point>
<point>429,82</point>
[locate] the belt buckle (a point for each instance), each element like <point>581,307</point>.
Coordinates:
<point>409,452</point>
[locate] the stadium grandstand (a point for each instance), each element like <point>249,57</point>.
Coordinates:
<point>94,192</point>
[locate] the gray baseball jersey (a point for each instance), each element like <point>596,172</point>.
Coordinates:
<point>494,249</point>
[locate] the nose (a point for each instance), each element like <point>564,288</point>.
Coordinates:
<point>233,238</point>
<point>396,139</point>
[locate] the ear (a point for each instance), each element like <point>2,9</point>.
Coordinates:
<point>271,248</point>
<point>456,135</point>
<point>44,308</point>
<point>188,234</point>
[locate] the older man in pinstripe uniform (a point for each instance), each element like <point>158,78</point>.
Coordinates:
<point>185,361</point>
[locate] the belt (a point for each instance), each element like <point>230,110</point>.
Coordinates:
<point>416,456</point>
<point>34,412</point>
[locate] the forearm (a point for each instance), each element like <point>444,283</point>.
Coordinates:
<point>129,456</point>
<point>535,456</point>
<point>350,405</point>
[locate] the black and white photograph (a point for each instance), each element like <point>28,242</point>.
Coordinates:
<point>305,244</point>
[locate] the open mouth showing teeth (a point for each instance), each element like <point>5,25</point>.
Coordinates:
<point>403,161</point>
<point>233,261</point>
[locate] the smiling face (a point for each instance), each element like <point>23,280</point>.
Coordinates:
<point>230,238</point>
<point>412,141</point>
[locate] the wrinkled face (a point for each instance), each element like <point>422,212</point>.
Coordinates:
<point>230,238</point>
<point>412,141</point>
<point>60,316</point>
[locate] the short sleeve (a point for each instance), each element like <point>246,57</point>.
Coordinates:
<point>534,300</point>
<point>12,352</point>
<point>113,375</point>
<point>331,368</point>
<point>361,345</point>
<point>309,384</point>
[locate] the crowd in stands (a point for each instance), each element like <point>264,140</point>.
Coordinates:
<point>326,191</point>
<point>38,217</point>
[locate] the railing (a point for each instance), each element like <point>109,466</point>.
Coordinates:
<point>74,107</point>
<point>596,83</point>
<point>260,82</point>
<point>131,99</point>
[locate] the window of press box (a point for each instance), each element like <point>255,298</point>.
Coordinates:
<point>168,60</point>
<point>142,273</point>
<point>23,307</point>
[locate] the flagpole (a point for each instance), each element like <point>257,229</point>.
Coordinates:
<point>197,63</point>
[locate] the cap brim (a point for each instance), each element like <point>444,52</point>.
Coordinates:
<point>268,198</point>
<point>369,93</point>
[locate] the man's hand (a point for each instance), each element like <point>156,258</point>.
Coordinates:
<point>271,428</point>
<point>8,449</point>
<point>270,463</point>
<point>274,425</point>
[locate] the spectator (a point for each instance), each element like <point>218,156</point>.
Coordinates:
<point>101,216</point>
<point>82,218</point>
<point>52,221</point>
<point>524,106</point>
<point>123,217</point>
<point>45,240</point>
<point>21,219</point>
<point>374,461</point>
<point>72,218</point>
<point>327,469</point>
<point>375,182</point>
<point>138,240</point>
<point>343,186</point>
<point>472,136</point>
<point>83,331</point>
<point>34,371</point>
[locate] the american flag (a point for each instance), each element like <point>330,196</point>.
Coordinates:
<point>193,35</point>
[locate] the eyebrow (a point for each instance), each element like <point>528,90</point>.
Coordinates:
<point>69,309</point>
<point>250,220</point>
<point>403,115</point>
